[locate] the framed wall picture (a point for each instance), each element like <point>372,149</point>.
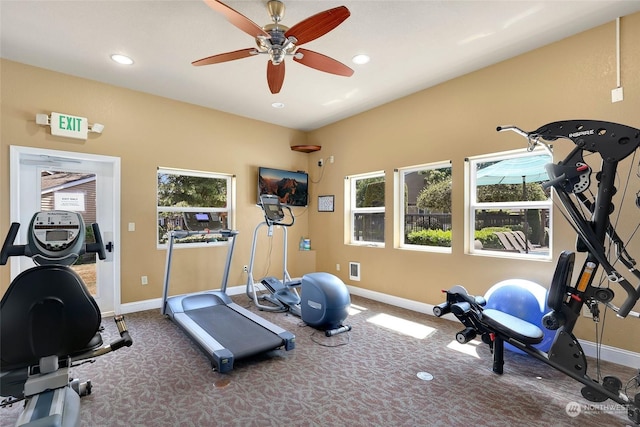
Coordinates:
<point>325,203</point>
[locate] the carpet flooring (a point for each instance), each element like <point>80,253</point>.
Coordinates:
<point>395,368</point>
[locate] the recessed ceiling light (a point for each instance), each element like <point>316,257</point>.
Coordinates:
<point>121,59</point>
<point>277,105</point>
<point>360,59</point>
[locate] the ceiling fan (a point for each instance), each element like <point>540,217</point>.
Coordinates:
<point>279,41</point>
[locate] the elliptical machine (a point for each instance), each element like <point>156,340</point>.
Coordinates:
<point>323,301</point>
<point>283,294</point>
<point>49,320</point>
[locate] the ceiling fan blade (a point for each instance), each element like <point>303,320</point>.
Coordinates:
<point>237,19</point>
<point>224,57</point>
<point>322,62</point>
<point>318,25</point>
<point>275,76</point>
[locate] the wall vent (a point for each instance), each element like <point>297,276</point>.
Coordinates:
<point>354,271</point>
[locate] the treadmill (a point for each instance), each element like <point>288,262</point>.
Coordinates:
<point>224,330</point>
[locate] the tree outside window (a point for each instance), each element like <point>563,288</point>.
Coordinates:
<point>367,202</point>
<point>425,216</point>
<point>181,192</point>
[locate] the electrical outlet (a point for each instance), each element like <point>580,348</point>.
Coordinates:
<point>337,267</point>
<point>245,268</point>
<point>586,312</point>
<point>320,162</point>
<point>330,159</point>
<point>144,280</point>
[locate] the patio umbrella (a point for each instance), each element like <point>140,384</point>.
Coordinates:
<point>515,171</point>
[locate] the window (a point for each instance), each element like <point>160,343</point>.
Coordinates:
<point>509,210</point>
<point>424,219</point>
<point>185,196</point>
<point>366,209</point>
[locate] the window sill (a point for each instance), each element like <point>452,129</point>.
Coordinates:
<point>512,255</point>
<point>367,244</point>
<point>424,248</point>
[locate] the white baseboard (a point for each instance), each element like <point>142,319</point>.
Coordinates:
<point>134,307</point>
<point>611,354</point>
<point>607,353</point>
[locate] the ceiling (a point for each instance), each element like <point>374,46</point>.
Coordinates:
<point>413,45</point>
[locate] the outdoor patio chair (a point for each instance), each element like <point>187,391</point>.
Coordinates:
<point>509,243</point>
<point>515,241</point>
<point>523,240</point>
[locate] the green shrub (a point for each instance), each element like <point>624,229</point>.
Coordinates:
<point>430,238</point>
<point>443,238</point>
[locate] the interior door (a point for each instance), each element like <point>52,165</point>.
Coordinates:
<point>87,184</point>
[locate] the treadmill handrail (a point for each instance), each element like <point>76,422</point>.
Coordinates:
<point>231,234</point>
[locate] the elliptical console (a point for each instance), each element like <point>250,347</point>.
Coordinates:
<point>55,237</point>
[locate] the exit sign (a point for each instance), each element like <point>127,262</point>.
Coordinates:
<point>69,126</point>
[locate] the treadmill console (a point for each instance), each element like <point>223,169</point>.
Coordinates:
<point>56,237</point>
<point>201,221</point>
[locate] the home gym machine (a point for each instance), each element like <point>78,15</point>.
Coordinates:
<point>224,330</point>
<point>49,321</point>
<point>592,217</point>
<point>323,301</point>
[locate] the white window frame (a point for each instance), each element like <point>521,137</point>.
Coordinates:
<point>399,202</point>
<point>229,209</point>
<point>472,205</point>
<point>351,210</point>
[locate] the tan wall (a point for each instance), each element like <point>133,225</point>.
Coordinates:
<point>571,79</point>
<point>146,131</point>
<point>567,80</point>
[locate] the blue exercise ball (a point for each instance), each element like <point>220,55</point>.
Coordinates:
<point>525,300</point>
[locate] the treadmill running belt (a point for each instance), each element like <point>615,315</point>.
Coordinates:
<point>242,336</point>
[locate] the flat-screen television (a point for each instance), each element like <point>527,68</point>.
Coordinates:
<point>292,188</point>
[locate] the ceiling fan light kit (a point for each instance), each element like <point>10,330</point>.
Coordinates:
<point>279,41</point>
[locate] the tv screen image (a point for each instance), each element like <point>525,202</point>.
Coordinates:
<point>292,188</point>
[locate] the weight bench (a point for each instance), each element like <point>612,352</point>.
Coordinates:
<point>495,327</point>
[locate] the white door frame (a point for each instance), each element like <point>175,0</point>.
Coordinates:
<point>113,266</point>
